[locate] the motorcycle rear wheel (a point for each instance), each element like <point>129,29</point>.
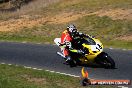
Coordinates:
<point>72,63</point>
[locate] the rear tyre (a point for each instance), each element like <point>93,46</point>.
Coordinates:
<point>72,63</point>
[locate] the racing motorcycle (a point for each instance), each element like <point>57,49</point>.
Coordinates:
<point>93,52</point>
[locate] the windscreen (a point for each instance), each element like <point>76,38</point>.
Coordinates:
<point>89,41</point>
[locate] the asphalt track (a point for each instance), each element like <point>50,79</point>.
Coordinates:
<point>45,57</point>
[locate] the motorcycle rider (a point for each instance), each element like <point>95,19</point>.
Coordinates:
<point>67,38</point>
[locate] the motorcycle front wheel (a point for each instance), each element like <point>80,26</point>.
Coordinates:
<point>105,60</point>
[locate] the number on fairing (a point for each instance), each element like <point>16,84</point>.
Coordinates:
<point>99,47</point>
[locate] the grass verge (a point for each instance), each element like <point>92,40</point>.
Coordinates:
<point>20,77</point>
<point>104,28</point>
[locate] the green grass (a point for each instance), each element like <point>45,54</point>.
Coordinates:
<point>104,28</point>
<point>107,30</point>
<point>57,7</point>
<point>20,77</point>
<point>45,33</point>
<point>86,5</point>
<point>118,44</point>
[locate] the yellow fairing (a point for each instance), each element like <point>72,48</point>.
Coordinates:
<point>92,53</point>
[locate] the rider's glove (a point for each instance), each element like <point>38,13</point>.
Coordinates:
<point>82,35</point>
<point>80,52</point>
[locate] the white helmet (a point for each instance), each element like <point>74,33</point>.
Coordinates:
<point>71,28</point>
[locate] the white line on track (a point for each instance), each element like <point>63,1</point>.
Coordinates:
<point>56,72</point>
<point>119,49</point>
<point>45,70</point>
<point>122,87</point>
<point>27,67</point>
<point>124,49</point>
<point>34,68</point>
<point>24,42</point>
<point>2,63</point>
<point>16,65</point>
<point>108,48</point>
<point>9,64</point>
<point>40,69</point>
<point>39,43</point>
<point>62,73</point>
<point>54,44</point>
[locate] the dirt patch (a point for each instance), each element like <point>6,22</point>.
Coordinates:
<point>30,21</point>
<point>35,80</point>
<point>24,21</point>
<point>66,17</point>
<point>112,13</point>
<point>125,38</point>
<point>70,2</point>
<point>116,13</point>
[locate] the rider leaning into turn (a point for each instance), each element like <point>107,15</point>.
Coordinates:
<point>67,37</point>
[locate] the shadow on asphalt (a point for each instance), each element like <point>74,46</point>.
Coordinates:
<point>90,66</point>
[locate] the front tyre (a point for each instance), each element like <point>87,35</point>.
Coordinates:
<point>105,60</point>
<point>109,62</point>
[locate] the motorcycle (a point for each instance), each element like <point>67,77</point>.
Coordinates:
<point>93,49</point>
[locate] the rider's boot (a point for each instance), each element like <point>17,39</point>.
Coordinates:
<point>70,61</point>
